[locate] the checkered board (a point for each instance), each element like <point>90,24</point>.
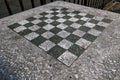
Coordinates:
<point>63,33</point>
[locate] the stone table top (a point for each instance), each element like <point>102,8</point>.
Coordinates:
<point>21,60</point>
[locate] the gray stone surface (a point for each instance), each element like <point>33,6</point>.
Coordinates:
<point>21,60</point>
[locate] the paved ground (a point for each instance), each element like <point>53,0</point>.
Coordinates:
<point>21,60</point>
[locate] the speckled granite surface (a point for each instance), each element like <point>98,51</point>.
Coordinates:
<point>21,60</point>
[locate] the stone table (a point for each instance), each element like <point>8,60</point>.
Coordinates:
<point>21,60</point>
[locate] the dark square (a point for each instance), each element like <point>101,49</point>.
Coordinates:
<point>54,13</point>
<point>107,20</point>
<point>84,28</point>
<point>55,23</point>
<point>43,13</point>
<point>43,18</point>
<point>93,21</point>
<point>37,41</point>
<point>89,16</point>
<point>64,12</point>
<point>68,23</point>
<point>100,28</point>
<point>54,17</point>
<point>78,16</point>
<point>66,17</point>
<point>54,9</point>
<point>55,30</point>
<point>28,24</point>
<point>31,19</point>
<point>56,39</point>
<point>41,24</point>
<point>81,22</point>
<point>73,38</point>
<point>40,31</point>
<point>25,32</point>
<point>15,25</point>
<point>89,37</point>
<point>70,29</point>
<point>56,51</point>
<point>64,9</point>
<point>77,50</point>
<point>76,12</point>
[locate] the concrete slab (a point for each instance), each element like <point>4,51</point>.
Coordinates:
<point>21,60</point>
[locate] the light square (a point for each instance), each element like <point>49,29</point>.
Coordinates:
<point>37,16</point>
<point>71,14</point>
<point>70,10</point>
<point>73,19</point>
<point>59,11</point>
<point>65,44</point>
<point>31,36</point>
<point>79,33</point>
<point>75,25</point>
<point>49,15</point>
<point>63,34</point>
<point>49,20</point>
<point>62,26</point>
<point>60,15</point>
<point>82,14</point>
<point>61,20</point>
<point>36,21</point>
<point>83,43</point>
<point>85,19</point>
<point>47,35</point>
<point>94,32</point>
<point>34,28</point>
<point>103,24</point>
<point>48,27</point>
<point>98,18</point>
<point>23,22</point>
<point>20,28</point>
<point>90,25</point>
<point>47,45</point>
<point>67,58</point>
<point>49,11</point>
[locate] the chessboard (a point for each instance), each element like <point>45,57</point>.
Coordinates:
<point>61,32</point>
